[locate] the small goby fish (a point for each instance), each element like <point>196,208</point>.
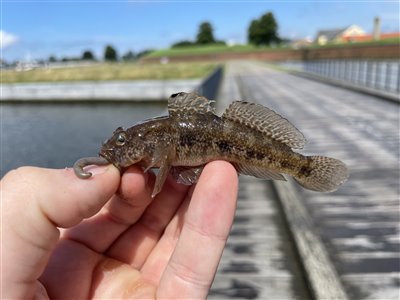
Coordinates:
<point>255,139</point>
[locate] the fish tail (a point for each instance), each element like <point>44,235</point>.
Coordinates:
<point>322,174</point>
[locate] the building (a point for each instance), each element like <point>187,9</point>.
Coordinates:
<point>338,35</point>
<point>371,37</point>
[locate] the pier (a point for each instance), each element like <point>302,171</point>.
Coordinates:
<point>290,243</point>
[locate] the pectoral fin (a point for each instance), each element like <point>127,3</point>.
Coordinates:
<point>161,177</point>
<point>186,175</point>
<point>161,159</point>
<point>155,161</point>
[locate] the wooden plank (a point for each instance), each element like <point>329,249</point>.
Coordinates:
<point>363,132</point>
<point>259,260</point>
<point>322,276</point>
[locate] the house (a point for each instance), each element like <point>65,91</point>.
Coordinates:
<point>338,35</point>
<point>370,37</point>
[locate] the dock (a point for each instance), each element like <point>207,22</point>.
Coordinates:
<point>290,243</point>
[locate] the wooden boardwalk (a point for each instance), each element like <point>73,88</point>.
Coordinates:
<point>358,224</point>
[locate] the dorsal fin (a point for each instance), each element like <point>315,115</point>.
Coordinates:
<point>189,103</point>
<point>266,121</point>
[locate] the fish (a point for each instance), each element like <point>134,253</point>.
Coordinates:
<point>256,140</point>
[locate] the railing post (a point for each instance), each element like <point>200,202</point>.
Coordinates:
<point>398,78</point>
<point>359,74</point>
<point>378,76</point>
<point>368,82</point>
<point>365,72</point>
<point>344,68</point>
<point>388,76</point>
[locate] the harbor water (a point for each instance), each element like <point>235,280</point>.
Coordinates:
<point>55,135</point>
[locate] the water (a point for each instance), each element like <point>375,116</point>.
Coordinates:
<point>56,135</point>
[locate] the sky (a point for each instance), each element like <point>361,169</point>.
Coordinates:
<point>38,29</point>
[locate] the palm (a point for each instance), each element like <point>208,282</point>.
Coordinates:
<point>136,247</point>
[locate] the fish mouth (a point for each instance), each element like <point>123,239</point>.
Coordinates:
<point>121,163</point>
<point>108,155</point>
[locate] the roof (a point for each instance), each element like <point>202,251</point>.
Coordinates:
<point>330,34</point>
<point>370,37</point>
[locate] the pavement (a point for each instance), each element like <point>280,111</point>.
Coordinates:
<point>359,224</point>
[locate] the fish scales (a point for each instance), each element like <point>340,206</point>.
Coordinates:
<point>224,139</point>
<point>255,139</point>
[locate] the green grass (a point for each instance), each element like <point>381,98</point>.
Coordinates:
<point>209,49</point>
<point>215,49</point>
<point>111,71</point>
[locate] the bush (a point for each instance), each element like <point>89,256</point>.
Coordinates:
<point>184,43</point>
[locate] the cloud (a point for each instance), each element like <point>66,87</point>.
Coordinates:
<point>7,39</point>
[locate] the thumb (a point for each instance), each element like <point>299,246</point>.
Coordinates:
<point>35,202</point>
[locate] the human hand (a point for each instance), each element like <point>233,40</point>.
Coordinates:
<point>117,241</point>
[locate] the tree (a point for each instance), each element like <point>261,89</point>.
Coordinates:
<point>128,56</point>
<point>263,31</point>
<point>254,33</point>
<point>52,59</point>
<point>87,55</point>
<point>110,53</point>
<point>205,34</point>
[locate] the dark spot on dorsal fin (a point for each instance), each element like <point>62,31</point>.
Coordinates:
<point>174,95</point>
<point>189,103</point>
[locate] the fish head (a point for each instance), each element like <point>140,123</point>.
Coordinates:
<point>124,148</point>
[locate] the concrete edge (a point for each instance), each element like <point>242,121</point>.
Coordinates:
<point>340,83</point>
<point>111,91</point>
<point>83,101</point>
<point>321,276</point>
<point>96,91</point>
<point>209,87</point>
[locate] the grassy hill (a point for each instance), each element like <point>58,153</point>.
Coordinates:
<point>206,49</point>
<point>220,49</point>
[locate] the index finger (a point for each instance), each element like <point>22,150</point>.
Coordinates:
<point>35,202</point>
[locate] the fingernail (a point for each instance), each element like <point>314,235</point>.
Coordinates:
<point>96,170</point>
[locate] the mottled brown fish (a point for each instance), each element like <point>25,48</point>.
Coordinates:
<point>255,139</point>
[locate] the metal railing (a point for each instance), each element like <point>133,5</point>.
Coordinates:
<point>382,75</point>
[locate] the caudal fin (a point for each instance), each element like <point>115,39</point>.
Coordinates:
<point>324,174</point>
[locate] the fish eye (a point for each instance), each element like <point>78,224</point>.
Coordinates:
<point>121,139</point>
